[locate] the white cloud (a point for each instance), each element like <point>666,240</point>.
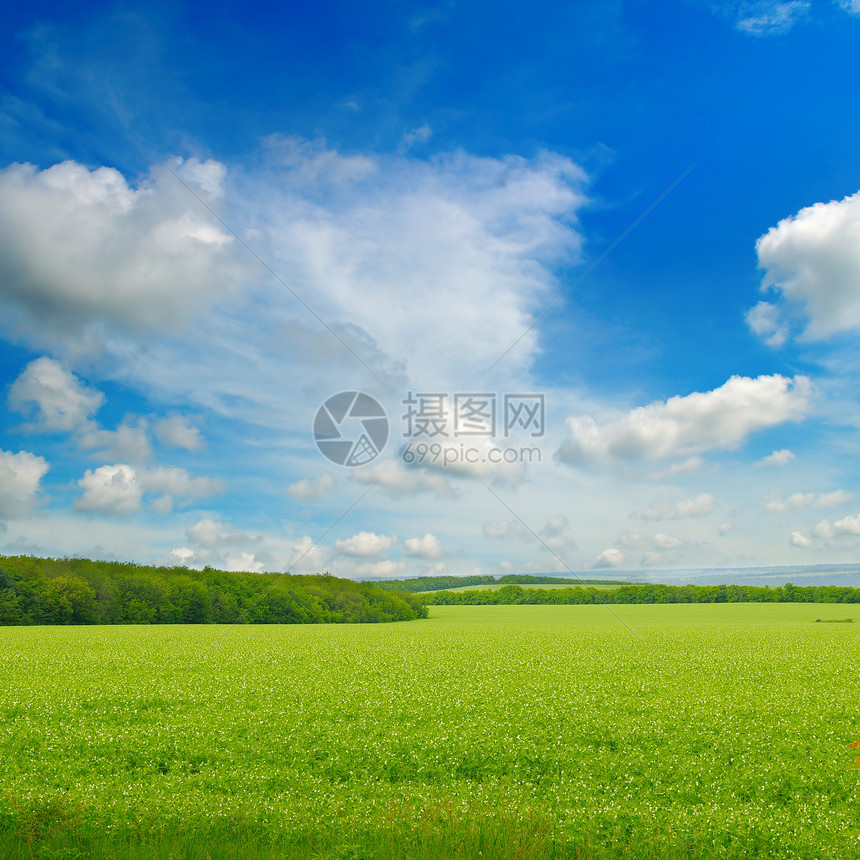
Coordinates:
<point>849,525</point>
<point>637,540</point>
<point>778,458</point>
<point>365,544</point>
<point>81,246</point>
<point>209,534</point>
<point>128,442</point>
<point>686,467</point>
<point>799,540</point>
<point>397,481</point>
<point>680,426</point>
<point>767,321</point>
<point>182,556</point>
<point>833,499</point>
<point>163,505</point>
<point>824,530</point>
<point>802,500</point>
<point>725,528</point>
<point>54,399</point>
<point>792,502</point>
<point>20,474</point>
<point>634,540</point>
<point>769,18</point>
<point>119,489</point>
<point>504,529</point>
<point>109,490</point>
<point>697,506</point>
<point>419,135</point>
<point>307,490</point>
<point>243,562</point>
<point>177,482</point>
<point>423,547</point>
<point>381,569</point>
<point>609,558</point>
<point>308,556</point>
<point>482,235</point>
<point>178,432</point>
<point>651,559</point>
<point>665,541</point>
<point>813,260</point>
<point>851,6</point>
<point>555,526</point>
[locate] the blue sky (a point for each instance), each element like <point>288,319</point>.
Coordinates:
<point>212,218</point>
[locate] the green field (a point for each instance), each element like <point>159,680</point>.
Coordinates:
<point>491,731</point>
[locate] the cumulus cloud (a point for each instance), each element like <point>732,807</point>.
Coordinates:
<point>119,488</point>
<point>697,506</point>
<point>210,534</point>
<point>365,544</point>
<point>609,558</point>
<point>307,490</point>
<point>177,482</point>
<point>397,481</point>
<point>725,528</point>
<point>802,500</point>
<point>82,246</point>
<point>846,526</point>
<point>20,475</point>
<point>53,398</point>
<point>778,458</point>
<point>129,442</point>
<point>307,555</point>
<point>766,321</point>
<point>661,541</point>
<point>652,558</point>
<point>423,547</point>
<point>769,18</point>
<point>109,490</point>
<point>798,539</point>
<point>178,432</point>
<point>812,260</point>
<point>849,525</point>
<point>682,426</point>
<point>381,569</point>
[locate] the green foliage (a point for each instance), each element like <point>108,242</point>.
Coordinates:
<point>511,595</point>
<point>80,591</point>
<point>439,583</point>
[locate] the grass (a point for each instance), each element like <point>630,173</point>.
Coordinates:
<point>491,731</point>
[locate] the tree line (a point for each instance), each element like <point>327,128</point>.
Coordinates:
<point>651,593</point>
<point>440,583</point>
<point>81,591</point>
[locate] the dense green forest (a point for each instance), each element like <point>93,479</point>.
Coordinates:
<point>79,591</point>
<point>439,583</point>
<point>514,595</point>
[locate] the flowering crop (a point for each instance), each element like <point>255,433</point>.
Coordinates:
<point>718,731</point>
